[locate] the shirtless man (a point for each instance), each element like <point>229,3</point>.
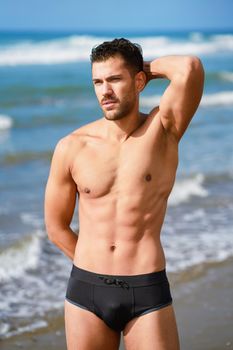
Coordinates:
<point>123,168</point>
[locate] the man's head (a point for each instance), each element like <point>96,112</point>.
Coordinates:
<point>131,53</point>
<point>118,77</point>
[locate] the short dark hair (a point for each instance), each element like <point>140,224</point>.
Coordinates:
<point>130,52</point>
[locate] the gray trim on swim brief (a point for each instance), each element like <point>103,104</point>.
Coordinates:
<point>76,304</point>
<point>154,309</point>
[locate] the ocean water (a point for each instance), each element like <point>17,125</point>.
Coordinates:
<point>45,93</point>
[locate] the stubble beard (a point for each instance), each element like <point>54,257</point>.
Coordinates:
<point>122,111</point>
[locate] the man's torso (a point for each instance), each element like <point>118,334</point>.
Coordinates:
<point>123,190</point>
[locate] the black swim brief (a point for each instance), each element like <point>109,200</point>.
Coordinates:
<point>117,299</point>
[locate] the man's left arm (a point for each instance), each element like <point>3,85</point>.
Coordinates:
<point>182,96</point>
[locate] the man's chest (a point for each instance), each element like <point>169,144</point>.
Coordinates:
<point>100,169</point>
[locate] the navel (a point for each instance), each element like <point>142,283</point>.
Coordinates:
<point>112,248</point>
<point>87,190</point>
<point>148,177</point>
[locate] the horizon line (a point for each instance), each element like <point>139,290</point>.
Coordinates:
<point>105,30</point>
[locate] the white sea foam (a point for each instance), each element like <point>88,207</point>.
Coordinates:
<point>71,49</point>
<point>4,329</point>
<point>77,48</point>
<point>184,189</point>
<point>32,219</point>
<point>16,260</point>
<point>152,47</point>
<point>223,98</point>
<point>5,122</point>
<point>189,250</point>
<point>198,214</point>
<point>150,101</point>
<point>196,36</point>
<point>29,328</point>
<point>228,76</point>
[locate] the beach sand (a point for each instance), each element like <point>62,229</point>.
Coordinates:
<point>203,309</point>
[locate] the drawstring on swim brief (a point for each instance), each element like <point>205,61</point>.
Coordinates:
<point>116,281</point>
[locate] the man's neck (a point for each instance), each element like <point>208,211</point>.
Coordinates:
<point>120,130</point>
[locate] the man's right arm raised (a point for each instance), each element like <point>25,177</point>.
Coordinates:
<point>60,199</point>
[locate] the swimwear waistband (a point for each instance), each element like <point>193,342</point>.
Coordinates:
<point>132,280</point>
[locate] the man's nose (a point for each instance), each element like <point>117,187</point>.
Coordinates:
<point>107,89</point>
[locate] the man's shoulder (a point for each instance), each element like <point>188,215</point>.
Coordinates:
<point>78,137</point>
<point>90,129</point>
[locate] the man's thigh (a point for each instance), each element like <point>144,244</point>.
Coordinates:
<point>86,331</point>
<point>154,330</point>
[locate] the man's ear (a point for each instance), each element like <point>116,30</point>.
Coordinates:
<point>140,80</point>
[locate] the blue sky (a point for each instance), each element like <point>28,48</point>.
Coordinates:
<point>134,15</point>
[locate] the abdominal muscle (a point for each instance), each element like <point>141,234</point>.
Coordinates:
<point>124,259</point>
<point>123,244</point>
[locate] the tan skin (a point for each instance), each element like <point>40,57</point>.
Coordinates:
<point>123,168</point>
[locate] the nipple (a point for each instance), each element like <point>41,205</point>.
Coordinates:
<point>148,177</point>
<point>87,190</point>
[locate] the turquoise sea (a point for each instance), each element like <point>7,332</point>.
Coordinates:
<point>45,93</point>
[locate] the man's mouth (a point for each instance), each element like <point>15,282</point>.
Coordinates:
<point>108,102</point>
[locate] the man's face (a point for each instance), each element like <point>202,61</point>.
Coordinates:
<point>114,87</point>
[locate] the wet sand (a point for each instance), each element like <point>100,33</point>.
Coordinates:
<point>203,309</point>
